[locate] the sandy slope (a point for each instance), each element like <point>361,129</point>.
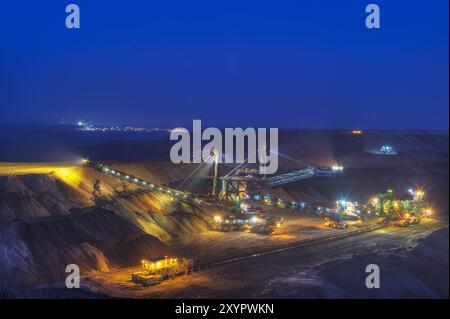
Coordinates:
<point>47,222</point>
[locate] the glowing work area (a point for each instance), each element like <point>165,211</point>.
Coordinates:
<point>35,168</point>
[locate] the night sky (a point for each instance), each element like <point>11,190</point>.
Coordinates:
<point>287,64</point>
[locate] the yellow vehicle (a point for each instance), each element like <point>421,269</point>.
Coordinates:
<point>156,270</point>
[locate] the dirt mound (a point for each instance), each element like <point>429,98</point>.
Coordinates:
<point>35,196</point>
<point>95,239</point>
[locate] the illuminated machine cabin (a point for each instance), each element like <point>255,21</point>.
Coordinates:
<point>243,181</point>
<point>155,270</point>
<point>159,264</point>
<point>386,149</point>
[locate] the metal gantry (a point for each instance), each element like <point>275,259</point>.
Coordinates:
<point>110,171</point>
<point>290,177</point>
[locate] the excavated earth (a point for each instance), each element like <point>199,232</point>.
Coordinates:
<point>48,221</point>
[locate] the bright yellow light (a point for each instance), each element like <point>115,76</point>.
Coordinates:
<point>217,219</point>
<point>278,225</point>
<point>357,132</point>
<point>407,215</point>
<point>429,212</point>
<point>70,176</point>
<point>33,168</point>
<point>419,193</point>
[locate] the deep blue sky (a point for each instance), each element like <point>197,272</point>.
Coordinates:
<point>306,64</point>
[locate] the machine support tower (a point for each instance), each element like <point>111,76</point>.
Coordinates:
<point>215,154</point>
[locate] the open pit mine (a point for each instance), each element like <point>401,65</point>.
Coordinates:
<point>340,201</point>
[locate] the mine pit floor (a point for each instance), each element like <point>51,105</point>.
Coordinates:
<point>248,278</point>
